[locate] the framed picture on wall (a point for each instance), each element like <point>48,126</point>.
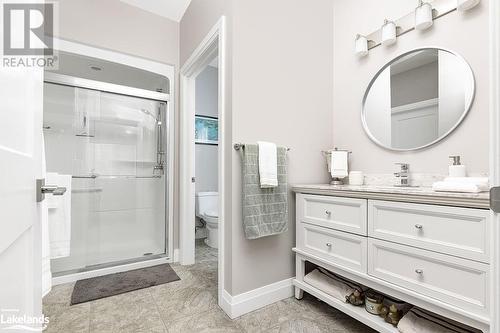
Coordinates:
<point>206,130</point>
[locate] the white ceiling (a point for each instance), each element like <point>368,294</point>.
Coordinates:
<point>171,9</point>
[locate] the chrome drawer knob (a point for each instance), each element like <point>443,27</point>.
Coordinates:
<point>419,271</point>
<point>329,244</point>
<point>419,226</point>
<point>327,212</point>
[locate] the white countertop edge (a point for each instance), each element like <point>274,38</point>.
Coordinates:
<point>423,195</point>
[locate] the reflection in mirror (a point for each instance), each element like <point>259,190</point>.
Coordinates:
<point>417,99</point>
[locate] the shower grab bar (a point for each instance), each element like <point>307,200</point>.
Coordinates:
<point>94,177</point>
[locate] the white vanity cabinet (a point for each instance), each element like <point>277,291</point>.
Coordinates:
<point>462,232</point>
<point>343,214</point>
<point>435,256</point>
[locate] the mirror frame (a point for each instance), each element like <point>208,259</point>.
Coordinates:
<point>459,121</point>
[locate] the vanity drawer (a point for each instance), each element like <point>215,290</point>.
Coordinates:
<point>344,214</point>
<point>339,248</point>
<point>463,232</point>
<point>459,282</point>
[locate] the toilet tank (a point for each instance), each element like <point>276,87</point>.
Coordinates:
<point>207,202</point>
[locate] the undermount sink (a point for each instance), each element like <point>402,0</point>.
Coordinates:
<point>403,186</point>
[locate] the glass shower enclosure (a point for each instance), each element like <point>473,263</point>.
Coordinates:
<point>112,143</point>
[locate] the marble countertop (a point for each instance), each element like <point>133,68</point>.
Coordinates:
<point>405,194</point>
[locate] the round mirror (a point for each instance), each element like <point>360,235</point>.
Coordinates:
<point>418,99</point>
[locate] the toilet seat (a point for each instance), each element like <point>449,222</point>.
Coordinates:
<point>210,220</point>
<point>212,226</point>
<point>207,209</point>
<point>212,214</point>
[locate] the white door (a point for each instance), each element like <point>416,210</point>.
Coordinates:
<point>494,127</point>
<point>415,125</point>
<point>21,96</point>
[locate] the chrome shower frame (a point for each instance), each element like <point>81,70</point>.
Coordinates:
<point>164,121</point>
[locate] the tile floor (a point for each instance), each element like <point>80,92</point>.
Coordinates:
<point>189,305</point>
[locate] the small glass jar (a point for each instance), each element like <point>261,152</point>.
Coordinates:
<point>374,303</point>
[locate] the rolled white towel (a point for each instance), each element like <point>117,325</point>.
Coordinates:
<point>410,323</point>
<point>348,282</point>
<point>328,284</point>
<point>419,321</point>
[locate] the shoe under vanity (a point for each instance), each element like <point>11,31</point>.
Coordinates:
<point>429,249</point>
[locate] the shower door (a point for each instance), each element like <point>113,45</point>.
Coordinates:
<point>112,146</point>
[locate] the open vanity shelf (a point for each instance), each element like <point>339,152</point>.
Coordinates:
<point>357,312</point>
<point>400,247</point>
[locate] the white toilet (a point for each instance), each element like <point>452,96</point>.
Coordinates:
<point>207,208</point>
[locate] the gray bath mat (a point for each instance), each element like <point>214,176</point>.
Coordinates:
<point>119,283</point>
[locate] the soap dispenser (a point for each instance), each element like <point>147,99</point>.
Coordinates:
<point>457,169</point>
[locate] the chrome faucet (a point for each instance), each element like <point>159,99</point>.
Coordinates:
<point>403,176</point>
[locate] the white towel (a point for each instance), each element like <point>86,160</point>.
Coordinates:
<point>462,184</point>
<point>339,164</point>
<point>418,321</point>
<point>59,216</point>
<point>328,284</point>
<point>460,187</point>
<point>468,180</point>
<point>44,217</point>
<point>268,164</point>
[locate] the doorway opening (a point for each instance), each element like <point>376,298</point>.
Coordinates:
<point>202,144</point>
<point>206,164</point>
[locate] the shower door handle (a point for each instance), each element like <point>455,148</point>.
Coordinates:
<point>42,189</point>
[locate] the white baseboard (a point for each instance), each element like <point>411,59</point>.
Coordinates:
<point>175,257</point>
<point>238,305</point>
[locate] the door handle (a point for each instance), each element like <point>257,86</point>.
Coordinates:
<point>53,189</point>
<point>42,189</point>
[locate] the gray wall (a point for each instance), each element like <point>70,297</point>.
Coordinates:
<point>281,75</point>
<point>352,75</point>
<point>199,18</point>
<point>206,156</point>
<point>282,83</point>
<point>115,25</point>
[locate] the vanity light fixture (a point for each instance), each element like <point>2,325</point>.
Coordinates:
<point>419,18</point>
<point>389,32</point>
<point>463,5</point>
<point>423,15</point>
<point>361,46</point>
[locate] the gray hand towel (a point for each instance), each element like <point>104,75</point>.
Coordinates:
<point>265,210</point>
